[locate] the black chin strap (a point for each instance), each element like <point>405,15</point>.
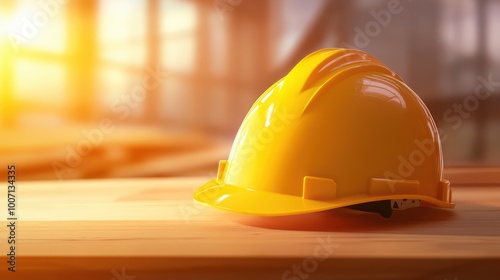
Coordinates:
<point>382,207</point>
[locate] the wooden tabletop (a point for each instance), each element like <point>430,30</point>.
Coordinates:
<point>151,229</point>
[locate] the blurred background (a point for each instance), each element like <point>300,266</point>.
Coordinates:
<point>114,88</point>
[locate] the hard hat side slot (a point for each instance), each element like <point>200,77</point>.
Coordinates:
<point>221,170</point>
<point>317,188</point>
<point>380,187</point>
<point>444,190</point>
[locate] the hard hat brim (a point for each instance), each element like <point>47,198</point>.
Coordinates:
<point>248,201</point>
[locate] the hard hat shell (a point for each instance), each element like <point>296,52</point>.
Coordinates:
<point>340,129</point>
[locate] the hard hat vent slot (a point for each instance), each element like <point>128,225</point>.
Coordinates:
<point>322,64</point>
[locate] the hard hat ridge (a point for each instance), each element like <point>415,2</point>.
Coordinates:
<point>334,65</point>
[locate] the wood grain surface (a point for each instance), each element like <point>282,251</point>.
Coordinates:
<point>151,229</point>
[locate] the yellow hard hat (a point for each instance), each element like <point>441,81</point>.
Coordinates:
<point>341,129</point>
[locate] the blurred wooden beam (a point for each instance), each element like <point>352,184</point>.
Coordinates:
<point>482,70</point>
<point>468,175</point>
<point>174,164</point>
<point>199,93</point>
<point>152,102</point>
<point>35,151</point>
<point>8,113</point>
<point>82,48</point>
<point>425,52</point>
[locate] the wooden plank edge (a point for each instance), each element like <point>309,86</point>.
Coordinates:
<point>253,268</point>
